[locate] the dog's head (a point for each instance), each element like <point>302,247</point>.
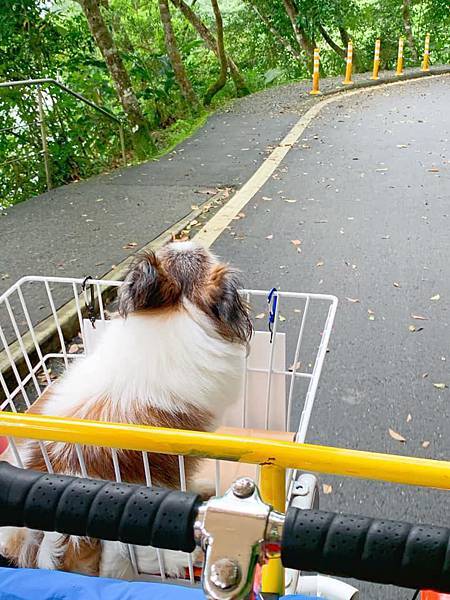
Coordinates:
<point>187,271</point>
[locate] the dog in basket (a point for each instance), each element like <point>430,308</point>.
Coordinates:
<point>173,358</point>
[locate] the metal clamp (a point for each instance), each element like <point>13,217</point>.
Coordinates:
<point>236,531</point>
<point>89,302</point>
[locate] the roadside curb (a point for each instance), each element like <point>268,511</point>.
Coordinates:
<point>385,78</point>
<point>46,333</point>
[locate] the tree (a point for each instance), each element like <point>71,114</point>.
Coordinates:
<point>211,43</point>
<point>304,41</point>
<point>281,39</point>
<point>175,57</point>
<point>406,16</point>
<point>138,123</point>
<point>222,79</point>
<point>329,40</point>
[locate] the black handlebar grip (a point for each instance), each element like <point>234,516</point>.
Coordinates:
<point>390,552</point>
<point>125,512</point>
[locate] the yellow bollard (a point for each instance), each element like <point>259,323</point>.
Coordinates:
<point>349,61</point>
<point>315,82</point>
<point>399,70</point>
<point>376,59</point>
<point>426,54</point>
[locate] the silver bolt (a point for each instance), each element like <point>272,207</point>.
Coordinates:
<point>243,487</point>
<point>225,573</point>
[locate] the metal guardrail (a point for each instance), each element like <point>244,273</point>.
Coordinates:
<point>42,124</point>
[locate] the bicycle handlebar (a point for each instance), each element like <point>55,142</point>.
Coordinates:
<point>390,552</point>
<point>380,551</point>
<point>129,513</point>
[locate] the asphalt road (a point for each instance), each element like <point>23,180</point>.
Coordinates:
<point>371,183</point>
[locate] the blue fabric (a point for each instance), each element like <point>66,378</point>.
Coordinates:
<point>33,584</point>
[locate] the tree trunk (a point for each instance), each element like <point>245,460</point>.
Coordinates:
<point>130,104</point>
<point>222,79</point>
<point>175,56</point>
<point>406,16</point>
<point>303,40</point>
<point>329,40</point>
<point>344,36</point>
<point>358,62</point>
<point>276,34</point>
<point>211,43</point>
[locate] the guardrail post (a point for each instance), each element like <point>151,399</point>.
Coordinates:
<point>122,145</point>
<point>349,65</point>
<point>43,127</point>
<point>399,70</point>
<point>376,59</point>
<point>426,54</point>
<point>315,83</point>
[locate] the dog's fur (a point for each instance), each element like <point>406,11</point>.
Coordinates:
<point>172,359</point>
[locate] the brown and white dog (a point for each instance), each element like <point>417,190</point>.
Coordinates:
<point>172,359</point>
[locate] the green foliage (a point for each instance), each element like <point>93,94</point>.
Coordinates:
<point>50,38</point>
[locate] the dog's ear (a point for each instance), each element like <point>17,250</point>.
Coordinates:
<point>147,285</point>
<point>226,304</point>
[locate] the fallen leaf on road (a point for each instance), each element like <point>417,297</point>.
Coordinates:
<point>327,489</point>
<point>295,366</point>
<point>396,284</point>
<point>353,300</point>
<point>440,386</point>
<point>282,318</point>
<point>320,263</point>
<point>425,444</point>
<point>296,242</point>
<point>419,318</point>
<point>412,328</point>
<point>396,436</point>
<point>269,237</point>
<point>129,245</point>
<point>408,418</point>
<point>260,316</point>
<point>435,297</point>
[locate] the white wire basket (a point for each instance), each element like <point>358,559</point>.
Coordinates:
<point>281,378</point>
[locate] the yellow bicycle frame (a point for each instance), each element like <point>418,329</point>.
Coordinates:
<point>273,456</point>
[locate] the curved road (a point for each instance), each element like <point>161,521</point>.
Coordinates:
<point>371,180</point>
